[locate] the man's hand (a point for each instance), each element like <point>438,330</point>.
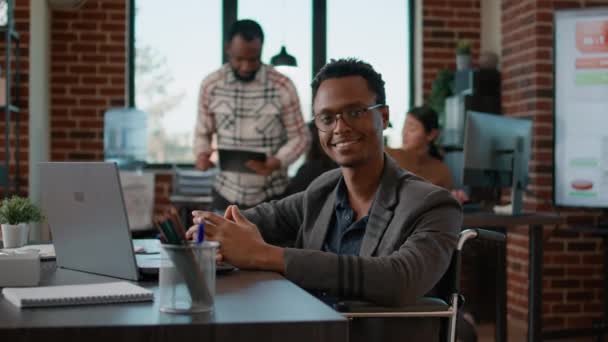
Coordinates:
<point>264,168</point>
<point>460,195</point>
<point>241,243</point>
<point>202,161</point>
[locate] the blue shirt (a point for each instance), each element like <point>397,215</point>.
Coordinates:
<point>346,236</point>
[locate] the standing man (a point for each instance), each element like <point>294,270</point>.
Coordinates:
<point>368,230</point>
<point>249,105</point>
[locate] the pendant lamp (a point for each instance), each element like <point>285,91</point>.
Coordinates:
<point>283,58</point>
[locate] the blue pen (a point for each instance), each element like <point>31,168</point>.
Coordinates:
<point>201,233</point>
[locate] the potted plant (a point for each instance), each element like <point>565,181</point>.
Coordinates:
<point>16,213</point>
<point>441,89</point>
<point>463,54</point>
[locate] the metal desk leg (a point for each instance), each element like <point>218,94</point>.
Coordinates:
<point>501,291</point>
<point>535,285</point>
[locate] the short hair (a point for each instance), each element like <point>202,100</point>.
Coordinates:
<point>345,67</point>
<point>246,28</point>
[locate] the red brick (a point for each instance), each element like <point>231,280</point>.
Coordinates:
<point>553,271</point>
<point>83,91</point>
<point>566,308</point>
<point>93,102</point>
<point>592,259</point>
<point>587,246</point>
<point>91,145</point>
<point>92,124</point>
<point>84,26</point>
<point>63,145</point>
<point>550,322</point>
<point>63,123</point>
<point>566,284</point>
<point>553,297</point>
<point>596,308</point>
<point>579,296</point>
<point>112,91</point>
<point>118,6</point>
<point>93,58</point>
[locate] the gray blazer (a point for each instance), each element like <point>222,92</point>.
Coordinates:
<point>409,239</point>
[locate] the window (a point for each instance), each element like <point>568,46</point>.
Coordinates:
<point>286,23</point>
<point>353,31</point>
<point>175,48</point>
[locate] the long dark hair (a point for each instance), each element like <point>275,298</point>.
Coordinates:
<point>430,121</point>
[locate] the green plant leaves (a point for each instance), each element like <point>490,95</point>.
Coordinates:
<point>441,89</point>
<point>15,210</point>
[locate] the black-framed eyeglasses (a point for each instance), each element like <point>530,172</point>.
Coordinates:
<point>327,122</point>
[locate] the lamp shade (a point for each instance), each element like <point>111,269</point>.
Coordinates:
<point>283,58</point>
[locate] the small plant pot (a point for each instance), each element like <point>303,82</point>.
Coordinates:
<point>463,62</point>
<point>15,235</point>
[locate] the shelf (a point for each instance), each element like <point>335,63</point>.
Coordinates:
<point>11,108</point>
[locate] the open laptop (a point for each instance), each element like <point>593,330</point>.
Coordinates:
<point>83,203</point>
<point>84,206</point>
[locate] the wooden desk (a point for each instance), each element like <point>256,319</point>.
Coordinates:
<point>250,306</point>
<point>535,223</point>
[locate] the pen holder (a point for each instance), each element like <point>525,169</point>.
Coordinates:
<point>187,277</point>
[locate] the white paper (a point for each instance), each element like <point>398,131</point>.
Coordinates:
<point>138,191</point>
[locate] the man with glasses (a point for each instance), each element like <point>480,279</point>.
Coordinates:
<point>368,230</point>
<point>249,105</point>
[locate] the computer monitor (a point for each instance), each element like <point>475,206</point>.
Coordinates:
<point>497,150</point>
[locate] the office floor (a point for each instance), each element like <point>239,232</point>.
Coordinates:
<point>485,333</point>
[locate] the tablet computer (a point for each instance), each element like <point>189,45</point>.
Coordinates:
<point>235,160</point>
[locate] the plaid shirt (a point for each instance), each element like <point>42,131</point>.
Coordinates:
<point>262,115</point>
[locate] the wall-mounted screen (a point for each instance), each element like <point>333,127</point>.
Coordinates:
<point>581,108</point>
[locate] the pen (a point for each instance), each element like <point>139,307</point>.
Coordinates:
<point>201,233</point>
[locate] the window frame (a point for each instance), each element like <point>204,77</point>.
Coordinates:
<point>229,16</point>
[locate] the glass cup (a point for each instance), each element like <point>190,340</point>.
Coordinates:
<point>187,277</point>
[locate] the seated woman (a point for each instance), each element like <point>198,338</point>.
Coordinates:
<point>418,153</point>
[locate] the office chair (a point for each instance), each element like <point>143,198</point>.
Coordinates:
<point>446,307</point>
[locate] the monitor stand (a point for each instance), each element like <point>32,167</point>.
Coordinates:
<point>518,180</point>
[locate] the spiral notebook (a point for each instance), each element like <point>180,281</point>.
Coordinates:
<point>67,295</point>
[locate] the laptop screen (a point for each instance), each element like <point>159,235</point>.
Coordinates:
<point>85,210</point>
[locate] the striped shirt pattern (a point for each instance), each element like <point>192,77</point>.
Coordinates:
<point>262,115</point>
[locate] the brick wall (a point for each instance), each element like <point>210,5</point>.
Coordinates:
<point>88,71</point>
<point>444,22</point>
<point>572,277</point>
